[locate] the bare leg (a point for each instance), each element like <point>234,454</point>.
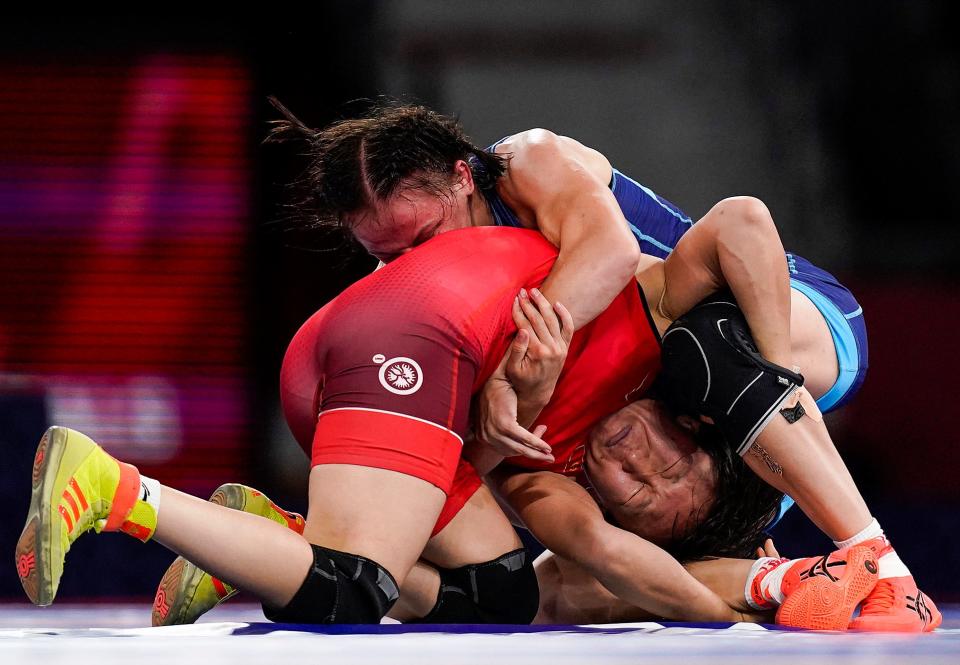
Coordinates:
<point>231,544</point>
<point>814,474</point>
<point>349,511</point>
<point>418,593</point>
<point>812,345</point>
<point>382,515</point>
<point>480,532</point>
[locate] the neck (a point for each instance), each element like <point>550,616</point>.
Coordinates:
<point>651,278</point>
<point>480,213</point>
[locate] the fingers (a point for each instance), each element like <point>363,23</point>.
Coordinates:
<point>547,313</point>
<point>530,440</point>
<point>521,342</point>
<point>537,322</point>
<point>511,439</point>
<point>566,322</point>
<point>769,549</point>
<point>550,324</point>
<point>519,318</point>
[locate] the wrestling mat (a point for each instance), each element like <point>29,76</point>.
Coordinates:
<point>239,634</point>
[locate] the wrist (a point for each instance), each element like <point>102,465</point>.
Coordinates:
<point>537,400</point>
<point>528,411</point>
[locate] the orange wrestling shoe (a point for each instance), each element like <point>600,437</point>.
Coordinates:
<point>895,604</point>
<point>821,593</point>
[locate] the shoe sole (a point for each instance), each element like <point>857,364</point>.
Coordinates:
<point>822,604</point>
<point>179,584</point>
<point>34,553</point>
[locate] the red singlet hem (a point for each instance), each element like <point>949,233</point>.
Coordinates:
<point>385,440</point>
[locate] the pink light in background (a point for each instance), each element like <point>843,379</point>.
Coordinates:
<point>123,231</point>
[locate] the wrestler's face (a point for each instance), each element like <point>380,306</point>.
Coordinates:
<point>648,472</point>
<point>412,216</point>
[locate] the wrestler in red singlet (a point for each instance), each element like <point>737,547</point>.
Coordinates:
<point>383,375</point>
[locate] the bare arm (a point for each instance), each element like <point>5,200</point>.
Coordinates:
<point>560,187</point>
<point>736,244</point>
<point>563,186</point>
<point>566,520</point>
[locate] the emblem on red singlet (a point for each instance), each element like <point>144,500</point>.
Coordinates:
<point>401,376</point>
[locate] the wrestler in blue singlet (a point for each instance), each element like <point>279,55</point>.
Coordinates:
<point>658,226</point>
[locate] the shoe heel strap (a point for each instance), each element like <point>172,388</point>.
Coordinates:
<point>125,497</point>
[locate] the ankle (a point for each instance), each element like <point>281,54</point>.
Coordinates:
<point>871,531</point>
<point>135,505</point>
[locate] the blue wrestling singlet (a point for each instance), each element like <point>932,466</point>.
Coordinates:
<point>656,223</point>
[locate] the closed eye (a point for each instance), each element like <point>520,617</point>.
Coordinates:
<point>633,494</point>
<point>678,468</point>
<point>426,233</point>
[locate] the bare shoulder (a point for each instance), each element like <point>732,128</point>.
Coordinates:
<point>540,149</point>
<point>546,168</point>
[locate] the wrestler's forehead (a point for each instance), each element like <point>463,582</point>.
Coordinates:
<point>394,224</point>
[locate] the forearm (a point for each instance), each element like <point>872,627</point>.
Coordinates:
<point>592,268</point>
<point>736,245</point>
<point>563,517</point>
<point>482,457</point>
<point>646,576</point>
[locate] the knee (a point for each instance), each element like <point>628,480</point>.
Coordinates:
<point>503,590</point>
<point>339,588</point>
<point>746,212</point>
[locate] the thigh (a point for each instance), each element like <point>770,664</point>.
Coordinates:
<point>836,311</point>
<point>812,345</point>
<point>383,515</point>
<point>478,533</point>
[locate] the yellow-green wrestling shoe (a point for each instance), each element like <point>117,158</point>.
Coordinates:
<point>186,592</point>
<point>76,486</point>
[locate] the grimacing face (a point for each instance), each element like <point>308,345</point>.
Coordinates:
<point>648,471</point>
<point>412,216</point>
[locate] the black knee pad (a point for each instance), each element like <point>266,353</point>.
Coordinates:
<point>711,367</point>
<point>340,588</point>
<point>500,591</point>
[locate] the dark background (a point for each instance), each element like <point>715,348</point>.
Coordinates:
<point>148,290</point>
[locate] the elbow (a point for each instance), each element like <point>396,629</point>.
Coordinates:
<point>629,257</point>
<point>622,257</point>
